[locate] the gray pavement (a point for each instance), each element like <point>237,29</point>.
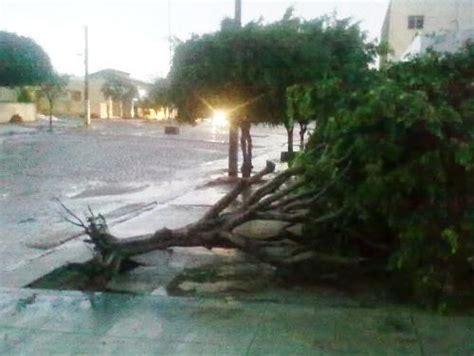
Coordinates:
<point>37,322</point>
<point>143,180</point>
<point>139,178</point>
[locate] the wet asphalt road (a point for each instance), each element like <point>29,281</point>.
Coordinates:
<point>113,165</point>
<point>111,158</point>
<point>78,165</point>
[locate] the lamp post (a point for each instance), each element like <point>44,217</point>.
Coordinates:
<point>233,170</point>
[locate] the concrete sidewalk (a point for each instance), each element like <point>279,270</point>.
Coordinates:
<point>59,322</point>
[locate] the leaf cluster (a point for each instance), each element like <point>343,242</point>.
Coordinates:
<point>247,70</point>
<point>118,88</point>
<point>408,193</point>
<point>54,86</point>
<point>22,61</point>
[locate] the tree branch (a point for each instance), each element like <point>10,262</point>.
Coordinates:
<point>273,185</point>
<point>225,201</point>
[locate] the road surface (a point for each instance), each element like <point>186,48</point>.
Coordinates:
<point>122,168</point>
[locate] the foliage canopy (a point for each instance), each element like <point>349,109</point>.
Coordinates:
<point>119,89</point>
<point>247,70</point>
<point>406,146</point>
<point>22,61</point>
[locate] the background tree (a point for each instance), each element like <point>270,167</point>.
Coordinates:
<point>25,94</point>
<point>384,188</point>
<point>160,96</point>
<point>217,72</point>
<point>52,88</point>
<point>120,90</point>
<point>22,61</point>
<point>248,70</point>
<point>300,110</point>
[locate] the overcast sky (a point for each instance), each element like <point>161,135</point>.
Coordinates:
<point>132,35</point>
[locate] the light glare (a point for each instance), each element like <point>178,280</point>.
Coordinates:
<point>219,119</point>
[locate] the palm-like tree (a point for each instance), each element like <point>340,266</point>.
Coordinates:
<point>118,89</point>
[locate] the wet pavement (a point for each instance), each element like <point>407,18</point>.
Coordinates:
<point>53,322</point>
<point>139,178</point>
<point>143,180</point>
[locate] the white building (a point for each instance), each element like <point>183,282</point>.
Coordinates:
<point>408,19</point>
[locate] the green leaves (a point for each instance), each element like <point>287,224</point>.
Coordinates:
<point>407,137</point>
<point>452,238</point>
<point>22,61</point>
<point>229,69</point>
<point>118,88</point>
<point>54,86</point>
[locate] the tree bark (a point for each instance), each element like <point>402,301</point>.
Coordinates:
<point>246,146</point>
<point>271,201</point>
<point>50,115</point>
<point>107,106</point>
<point>233,170</point>
<point>289,131</point>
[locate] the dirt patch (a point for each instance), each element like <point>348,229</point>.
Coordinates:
<point>77,276</point>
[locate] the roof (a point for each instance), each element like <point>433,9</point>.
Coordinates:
<point>109,71</point>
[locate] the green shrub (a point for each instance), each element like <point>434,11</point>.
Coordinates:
<point>406,194</point>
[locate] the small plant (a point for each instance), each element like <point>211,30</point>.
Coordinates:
<point>16,119</point>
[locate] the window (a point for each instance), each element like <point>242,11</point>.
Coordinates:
<point>416,22</point>
<point>76,95</point>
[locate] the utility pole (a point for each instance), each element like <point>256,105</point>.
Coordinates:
<point>87,104</point>
<point>170,45</point>
<point>233,128</point>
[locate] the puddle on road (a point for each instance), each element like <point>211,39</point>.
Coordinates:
<point>106,190</point>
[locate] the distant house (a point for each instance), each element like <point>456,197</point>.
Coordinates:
<point>72,103</point>
<point>411,25</point>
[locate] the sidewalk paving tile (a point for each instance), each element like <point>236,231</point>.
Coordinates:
<point>64,322</point>
<point>221,323</point>
<point>386,331</point>
<point>295,330</point>
<point>12,337</point>
<point>205,349</point>
<point>445,335</point>
<point>56,343</point>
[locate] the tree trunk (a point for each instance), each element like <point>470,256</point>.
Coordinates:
<point>233,149</point>
<point>246,146</point>
<point>278,199</point>
<point>50,115</point>
<point>289,131</point>
<point>303,128</point>
<point>109,107</point>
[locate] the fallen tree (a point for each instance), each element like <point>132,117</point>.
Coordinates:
<point>280,198</point>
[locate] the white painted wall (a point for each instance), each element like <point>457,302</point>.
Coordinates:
<point>7,95</point>
<point>440,16</point>
<point>26,110</point>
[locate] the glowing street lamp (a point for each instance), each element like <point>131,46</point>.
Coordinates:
<point>220,119</point>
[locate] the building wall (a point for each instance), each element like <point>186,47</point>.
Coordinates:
<point>7,95</point>
<point>26,110</point>
<point>72,103</point>
<point>439,16</point>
